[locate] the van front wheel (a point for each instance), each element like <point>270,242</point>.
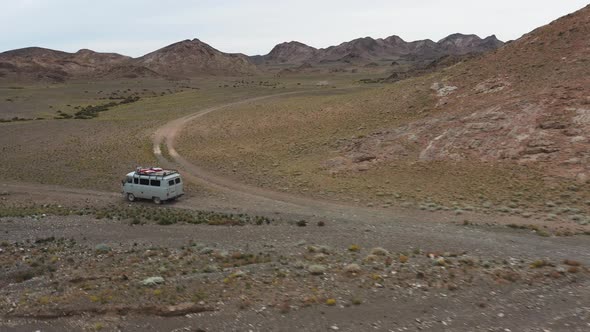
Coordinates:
<point>131,197</point>
<point>157,200</point>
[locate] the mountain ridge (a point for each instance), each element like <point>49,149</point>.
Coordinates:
<point>192,57</point>
<point>368,49</point>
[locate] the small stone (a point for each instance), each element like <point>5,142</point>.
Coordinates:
<point>334,328</point>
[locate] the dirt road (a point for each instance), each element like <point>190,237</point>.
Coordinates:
<point>489,296</point>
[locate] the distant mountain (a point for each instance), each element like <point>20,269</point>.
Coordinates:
<point>367,50</point>
<point>182,59</point>
<point>289,52</point>
<point>35,63</point>
<point>193,57</point>
<point>458,44</point>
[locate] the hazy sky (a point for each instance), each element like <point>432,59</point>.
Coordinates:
<point>136,27</point>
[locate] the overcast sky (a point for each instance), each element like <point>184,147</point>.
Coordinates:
<point>136,27</point>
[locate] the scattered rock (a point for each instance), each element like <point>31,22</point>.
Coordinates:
<point>443,90</point>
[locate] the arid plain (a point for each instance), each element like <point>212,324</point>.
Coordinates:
<point>377,184</point>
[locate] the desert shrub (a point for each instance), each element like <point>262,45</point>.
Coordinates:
<point>379,252</point>
<point>92,111</point>
<point>352,268</point>
<point>316,269</point>
<point>354,248</point>
<point>571,262</point>
<point>539,263</point>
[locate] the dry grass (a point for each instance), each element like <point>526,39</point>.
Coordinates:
<point>285,145</point>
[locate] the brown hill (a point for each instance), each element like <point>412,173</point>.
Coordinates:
<point>186,58</point>
<point>193,57</point>
<point>289,52</point>
<point>44,64</point>
<point>367,50</point>
<point>526,103</point>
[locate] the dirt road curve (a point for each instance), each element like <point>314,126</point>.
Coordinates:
<point>166,135</point>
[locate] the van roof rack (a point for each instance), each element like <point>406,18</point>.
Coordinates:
<point>154,171</point>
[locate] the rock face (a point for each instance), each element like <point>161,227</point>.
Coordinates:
<point>366,50</point>
<point>182,59</point>
<point>193,57</point>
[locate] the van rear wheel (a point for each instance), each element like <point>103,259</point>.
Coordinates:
<point>131,197</point>
<point>157,200</point>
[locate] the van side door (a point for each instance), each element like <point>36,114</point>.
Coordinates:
<point>171,188</point>
<point>143,189</point>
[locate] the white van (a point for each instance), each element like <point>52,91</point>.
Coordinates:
<point>152,183</point>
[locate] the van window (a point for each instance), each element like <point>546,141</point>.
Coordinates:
<point>155,183</point>
<point>177,180</point>
<point>136,180</point>
<point>129,179</point>
<point>171,182</point>
<point>144,182</point>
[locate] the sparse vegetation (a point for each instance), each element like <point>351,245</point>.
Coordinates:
<point>91,111</point>
<point>135,214</point>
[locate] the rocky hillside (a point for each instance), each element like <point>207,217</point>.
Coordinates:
<point>186,58</point>
<point>40,63</point>
<point>288,52</point>
<point>367,50</point>
<point>526,103</point>
<point>193,57</point>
